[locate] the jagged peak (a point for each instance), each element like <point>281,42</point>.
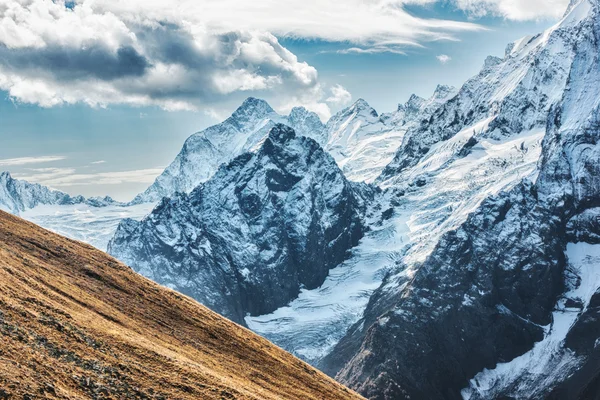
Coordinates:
<point>491,61</point>
<point>359,106</point>
<point>442,91</point>
<point>574,3</point>
<point>253,106</point>
<point>299,111</point>
<point>5,175</point>
<point>303,113</point>
<point>281,133</point>
<point>415,101</point>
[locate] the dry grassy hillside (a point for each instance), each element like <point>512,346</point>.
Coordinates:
<point>75,323</point>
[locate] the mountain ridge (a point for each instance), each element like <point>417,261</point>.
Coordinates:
<point>17,196</point>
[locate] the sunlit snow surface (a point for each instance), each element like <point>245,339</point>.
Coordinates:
<point>548,363</point>
<point>93,225</point>
<point>312,324</point>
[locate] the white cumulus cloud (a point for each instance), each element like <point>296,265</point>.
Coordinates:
<point>444,58</point>
<point>195,54</point>
<point>339,96</point>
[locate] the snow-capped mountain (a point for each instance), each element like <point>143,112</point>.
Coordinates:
<point>92,220</point>
<point>17,196</point>
<point>363,143</point>
<point>205,151</point>
<point>515,93</point>
<point>505,304</point>
<point>477,274</point>
<point>264,226</point>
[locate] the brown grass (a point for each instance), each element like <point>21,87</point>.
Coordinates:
<point>75,323</point>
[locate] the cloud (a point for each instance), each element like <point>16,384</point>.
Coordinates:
<point>100,53</point>
<point>339,96</point>
<point>184,55</point>
<point>102,161</point>
<point>444,59</point>
<point>196,54</point>
<point>30,160</point>
<point>371,50</point>
<point>64,177</point>
<point>518,10</point>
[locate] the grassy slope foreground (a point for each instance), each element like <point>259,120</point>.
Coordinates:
<point>75,323</point>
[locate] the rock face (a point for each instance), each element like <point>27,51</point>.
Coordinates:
<point>205,151</point>
<point>506,305</point>
<point>363,142</point>
<point>264,226</point>
<point>17,196</point>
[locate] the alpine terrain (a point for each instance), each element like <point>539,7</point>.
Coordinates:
<point>205,151</point>
<point>92,220</point>
<point>447,250</point>
<point>75,323</point>
<point>264,226</point>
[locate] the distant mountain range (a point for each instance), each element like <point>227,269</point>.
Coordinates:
<point>17,196</point>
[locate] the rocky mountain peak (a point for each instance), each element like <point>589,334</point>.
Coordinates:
<point>254,107</point>
<point>300,112</point>
<point>281,134</point>
<point>414,102</point>
<point>263,226</point>
<point>361,106</point>
<point>443,91</point>
<point>307,123</point>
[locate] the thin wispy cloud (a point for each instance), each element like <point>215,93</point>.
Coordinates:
<point>65,177</point>
<point>98,162</point>
<point>10,162</point>
<point>517,10</point>
<point>371,50</point>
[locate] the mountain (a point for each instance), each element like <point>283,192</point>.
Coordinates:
<point>476,272</point>
<point>505,305</point>
<point>75,323</point>
<point>514,93</point>
<point>264,226</point>
<point>92,220</point>
<point>17,196</point>
<point>205,151</point>
<point>363,143</point>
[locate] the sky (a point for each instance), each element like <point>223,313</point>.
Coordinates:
<point>98,96</point>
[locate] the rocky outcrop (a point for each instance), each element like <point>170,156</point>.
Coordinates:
<point>266,225</point>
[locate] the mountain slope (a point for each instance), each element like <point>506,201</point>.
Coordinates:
<point>506,304</point>
<point>514,94</point>
<point>246,241</point>
<point>75,323</point>
<point>363,142</point>
<point>17,196</point>
<point>205,151</point>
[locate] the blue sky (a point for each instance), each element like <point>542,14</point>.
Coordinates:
<point>101,146</point>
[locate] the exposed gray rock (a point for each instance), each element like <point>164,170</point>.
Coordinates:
<point>246,241</point>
